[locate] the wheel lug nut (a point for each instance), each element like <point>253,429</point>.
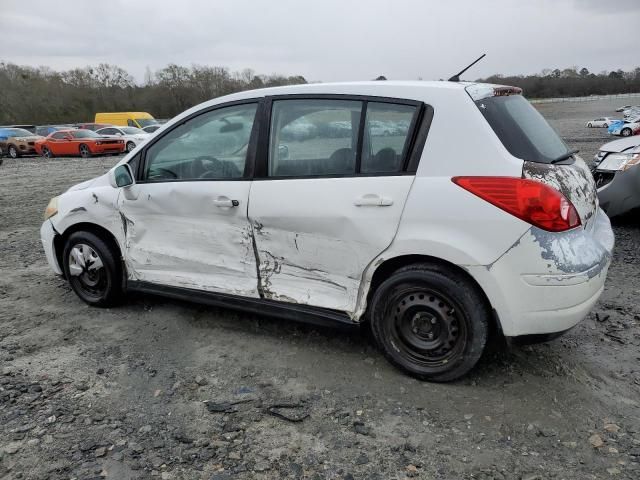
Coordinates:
<point>433,321</point>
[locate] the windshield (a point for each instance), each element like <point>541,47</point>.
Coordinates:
<point>84,134</point>
<point>15,132</point>
<point>132,131</point>
<point>143,122</point>
<point>521,128</point>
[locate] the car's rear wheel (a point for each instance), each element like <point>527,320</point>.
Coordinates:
<point>13,151</point>
<point>626,132</point>
<point>84,151</point>
<point>430,321</point>
<point>46,153</point>
<point>92,269</point>
<point>130,146</point>
<point>590,125</point>
<point>605,125</point>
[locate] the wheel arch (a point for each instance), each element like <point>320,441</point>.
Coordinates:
<point>386,268</point>
<point>60,240</point>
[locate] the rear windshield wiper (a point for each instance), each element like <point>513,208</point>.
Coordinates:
<point>564,156</point>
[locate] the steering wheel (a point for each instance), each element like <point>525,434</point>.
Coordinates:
<point>217,169</point>
<point>164,170</point>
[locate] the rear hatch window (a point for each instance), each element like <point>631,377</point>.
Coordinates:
<point>526,135</point>
<point>519,126</point>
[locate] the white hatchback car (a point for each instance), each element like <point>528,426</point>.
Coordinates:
<point>429,244</point>
<point>131,135</point>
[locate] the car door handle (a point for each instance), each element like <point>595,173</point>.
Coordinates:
<point>373,200</point>
<point>225,202</point>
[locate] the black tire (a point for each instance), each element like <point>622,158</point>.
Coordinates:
<point>605,126</point>
<point>590,125</point>
<point>430,321</point>
<point>46,153</point>
<point>130,146</point>
<point>101,287</point>
<point>84,151</point>
<point>12,152</point>
<point>626,132</point>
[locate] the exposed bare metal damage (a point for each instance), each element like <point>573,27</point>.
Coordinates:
<point>574,181</point>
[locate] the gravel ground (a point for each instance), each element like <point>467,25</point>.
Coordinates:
<point>163,389</point>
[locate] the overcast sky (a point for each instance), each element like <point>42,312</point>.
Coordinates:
<point>325,40</point>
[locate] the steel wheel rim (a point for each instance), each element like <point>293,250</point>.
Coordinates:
<point>87,270</point>
<point>427,327</point>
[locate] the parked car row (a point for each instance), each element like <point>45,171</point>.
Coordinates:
<point>111,133</point>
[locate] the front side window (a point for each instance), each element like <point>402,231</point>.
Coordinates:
<point>212,145</point>
<point>59,135</point>
<point>313,137</point>
<point>386,136</point>
<point>108,131</point>
<point>84,134</point>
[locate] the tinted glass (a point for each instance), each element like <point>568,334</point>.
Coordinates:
<point>132,131</point>
<point>522,129</point>
<point>386,137</point>
<point>143,122</point>
<point>16,132</point>
<point>210,146</point>
<point>313,137</point>
<point>59,135</point>
<point>107,131</point>
<point>84,134</point>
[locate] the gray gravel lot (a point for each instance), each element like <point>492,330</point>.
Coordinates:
<point>120,393</point>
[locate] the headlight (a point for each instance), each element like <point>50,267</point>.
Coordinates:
<point>51,209</point>
<point>619,161</point>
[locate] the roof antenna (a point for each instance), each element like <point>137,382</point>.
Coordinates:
<point>456,77</point>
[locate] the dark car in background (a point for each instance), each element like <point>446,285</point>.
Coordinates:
<point>91,126</point>
<point>46,130</point>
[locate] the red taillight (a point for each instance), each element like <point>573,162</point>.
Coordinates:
<point>531,201</point>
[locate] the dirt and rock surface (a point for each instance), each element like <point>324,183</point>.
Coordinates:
<point>163,389</point>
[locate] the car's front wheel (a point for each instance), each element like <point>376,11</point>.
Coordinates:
<point>84,151</point>
<point>430,321</point>
<point>13,151</point>
<point>92,269</point>
<point>626,132</point>
<point>130,146</point>
<point>605,126</point>
<point>46,153</point>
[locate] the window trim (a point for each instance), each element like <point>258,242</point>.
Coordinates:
<point>251,148</point>
<point>417,135</point>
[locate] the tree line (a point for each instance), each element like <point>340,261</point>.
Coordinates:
<point>572,82</point>
<point>41,95</point>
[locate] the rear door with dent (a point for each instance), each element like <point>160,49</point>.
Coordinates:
<point>329,193</point>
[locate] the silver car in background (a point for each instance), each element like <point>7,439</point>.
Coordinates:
<point>616,170</point>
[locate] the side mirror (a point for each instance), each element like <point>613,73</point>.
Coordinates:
<point>283,152</point>
<point>121,176</point>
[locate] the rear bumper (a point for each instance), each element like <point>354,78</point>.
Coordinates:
<point>573,268</point>
<point>622,193</point>
<point>47,236</point>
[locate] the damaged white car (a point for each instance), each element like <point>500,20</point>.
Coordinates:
<point>429,245</point>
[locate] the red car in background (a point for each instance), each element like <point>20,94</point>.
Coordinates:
<point>78,142</point>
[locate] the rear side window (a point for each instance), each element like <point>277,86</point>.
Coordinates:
<point>521,128</point>
<point>386,137</point>
<point>313,137</point>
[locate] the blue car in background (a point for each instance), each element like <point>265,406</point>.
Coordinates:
<point>624,128</point>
